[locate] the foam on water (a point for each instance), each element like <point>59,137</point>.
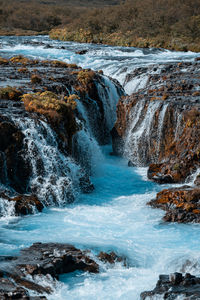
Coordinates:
<point>116,62</point>
<point>115,216</point>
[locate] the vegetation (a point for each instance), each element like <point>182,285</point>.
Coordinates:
<point>35,79</point>
<point>22,17</point>
<point>49,104</point>
<point>173,24</point>
<point>86,77</point>
<point>10,93</point>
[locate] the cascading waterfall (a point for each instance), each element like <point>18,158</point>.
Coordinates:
<point>109,96</point>
<point>160,128</point>
<point>54,175</point>
<point>137,142</point>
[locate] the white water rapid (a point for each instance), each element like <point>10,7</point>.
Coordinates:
<point>115,216</point>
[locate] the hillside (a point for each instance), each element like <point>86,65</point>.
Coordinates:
<point>36,16</point>
<point>162,23</point>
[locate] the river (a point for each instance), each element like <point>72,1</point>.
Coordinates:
<point>115,216</point>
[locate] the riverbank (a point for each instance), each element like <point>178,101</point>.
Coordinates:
<point>126,39</point>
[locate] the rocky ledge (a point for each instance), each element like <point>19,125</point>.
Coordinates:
<point>19,275</point>
<point>174,286</point>
<point>160,124</point>
<point>41,259</point>
<point>66,107</point>
<point>181,204</point>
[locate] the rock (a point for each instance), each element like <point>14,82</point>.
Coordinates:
<point>197,180</point>
<point>85,184</point>
<point>52,97</point>
<point>82,52</point>
<point>131,164</point>
<point>111,257</point>
<point>175,286</point>
<point>15,167</point>
<point>181,204</point>
<point>43,259</point>
<point>159,125</point>
<point>24,204</point>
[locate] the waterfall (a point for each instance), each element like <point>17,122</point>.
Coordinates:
<point>7,208</point>
<point>137,141</point>
<point>54,175</point>
<point>109,95</point>
<point>160,128</point>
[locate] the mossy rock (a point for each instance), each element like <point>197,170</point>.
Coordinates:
<point>10,93</point>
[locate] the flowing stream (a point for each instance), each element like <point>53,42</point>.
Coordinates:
<point>115,216</point>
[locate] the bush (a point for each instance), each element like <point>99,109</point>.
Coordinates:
<point>10,93</point>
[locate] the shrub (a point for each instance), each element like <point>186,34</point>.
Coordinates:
<point>85,77</point>
<point>4,61</point>
<point>49,104</point>
<point>10,93</point>
<point>20,59</point>
<point>35,79</point>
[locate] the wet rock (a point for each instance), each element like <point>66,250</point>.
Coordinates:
<point>42,259</point>
<point>15,168</point>
<point>24,204</point>
<point>174,286</point>
<point>9,290</point>
<point>53,97</point>
<point>159,125</point>
<point>111,257</point>
<point>82,52</point>
<point>182,205</point>
<point>197,180</point>
<point>85,184</point>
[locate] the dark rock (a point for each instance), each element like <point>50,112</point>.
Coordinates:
<point>173,286</point>
<point>81,52</point>
<point>24,204</point>
<point>131,164</point>
<point>167,111</point>
<point>14,166</point>
<point>111,257</point>
<point>42,259</point>
<point>197,180</point>
<point>181,204</point>
<point>85,184</point>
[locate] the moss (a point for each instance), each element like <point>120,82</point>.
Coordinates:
<point>61,64</point>
<point>35,79</point>
<point>10,93</point>
<point>59,112</point>
<point>126,39</point>
<point>86,77</point>
<point>48,103</point>
<point>176,167</point>
<point>4,61</point>
<point>20,59</point>
<point>23,70</point>
<point>164,97</point>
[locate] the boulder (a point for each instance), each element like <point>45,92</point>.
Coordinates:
<point>182,205</point>
<point>174,286</point>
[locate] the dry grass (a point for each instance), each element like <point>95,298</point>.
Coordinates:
<point>49,104</point>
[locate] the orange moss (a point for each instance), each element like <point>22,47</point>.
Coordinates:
<point>10,93</point>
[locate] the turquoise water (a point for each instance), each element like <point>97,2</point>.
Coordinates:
<point>115,216</point>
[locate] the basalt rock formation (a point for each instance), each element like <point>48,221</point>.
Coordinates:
<point>174,286</point>
<point>160,124</point>
<point>18,274</point>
